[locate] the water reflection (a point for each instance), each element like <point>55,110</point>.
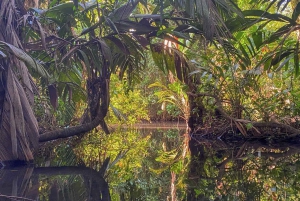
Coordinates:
<point>53,184</point>
<point>157,164</point>
<point>249,171</point>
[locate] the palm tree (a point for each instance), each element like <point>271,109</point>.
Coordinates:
<point>97,40</point>
<point>18,125</point>
<point>106,45</point>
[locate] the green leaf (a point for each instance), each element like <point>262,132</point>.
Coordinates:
<point>258,39</point>
<point>251,47</point>
<point>296,12</point>
<point>263,14</point>
<point>279,56</point>
<point>123,12</point>
<point>180,35</point>
<point>285,62</point>
<point>88,5</point>
<point>52,3</point>
<point>239,35</point>
<point>85,59</point>
<point>185,28</point>
<point>118,113</point>
<point>245,57</point>
<point>267,64</point>
<point>249,126</point>
<point>119,44</point>
<point>112,25</point>
<point>60,9</point>
<point>134,27</point>
<point>280,32</point>
<point>141,40</point>
<point>105,50</point>
<point>88,30</point>
<point>20,54</point>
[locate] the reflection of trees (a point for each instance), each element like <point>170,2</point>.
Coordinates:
<point>141,165</point>
<point>152,180</point>
<point>30,183</point>
<point>250,171</point>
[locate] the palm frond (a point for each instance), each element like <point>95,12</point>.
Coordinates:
<point>118,113</point>
<point>20,54</point>
<point>18,125</point>
<point>123,13</point>
<point>211,14</point>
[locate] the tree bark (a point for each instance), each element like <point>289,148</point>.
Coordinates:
<point>98,96</point>
<point>18,125</point>
<point>196,107</point>
<point>75,130</point>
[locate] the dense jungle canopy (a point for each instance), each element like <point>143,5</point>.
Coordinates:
<point>221,66</point>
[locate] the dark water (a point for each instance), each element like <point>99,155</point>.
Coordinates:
<point>156,164</point>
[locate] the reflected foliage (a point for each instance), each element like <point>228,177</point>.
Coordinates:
<point>250,171</point>
<point>141,163</point>
<point>53,184</point>
<point>156,165</point>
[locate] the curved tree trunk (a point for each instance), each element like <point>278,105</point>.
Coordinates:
<point>98,101</point>
<point>19,134</point>
<point>75,130</point>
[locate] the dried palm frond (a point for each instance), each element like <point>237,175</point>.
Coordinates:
<point>18,125</point>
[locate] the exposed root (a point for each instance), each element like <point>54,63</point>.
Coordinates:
<point>248,129</point>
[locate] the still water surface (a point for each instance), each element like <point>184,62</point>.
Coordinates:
<point>156,164</point>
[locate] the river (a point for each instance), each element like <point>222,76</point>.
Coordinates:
<point>156,164</point>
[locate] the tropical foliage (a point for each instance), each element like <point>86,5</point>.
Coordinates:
<point>140,162</point>
<point>156,168</point>
<point>251,171</point>
<point>63,53</point>
<point>127,106</point>
<point>173,99</point>
<point>230,69</point>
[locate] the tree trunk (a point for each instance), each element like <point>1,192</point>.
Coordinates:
<point>75,130</point>
<point>98,96</point>
<point>19,134</point>
<point>18,125</point>
<point>197,108</point>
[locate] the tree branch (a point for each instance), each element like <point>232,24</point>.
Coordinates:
<point>75,130</point>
